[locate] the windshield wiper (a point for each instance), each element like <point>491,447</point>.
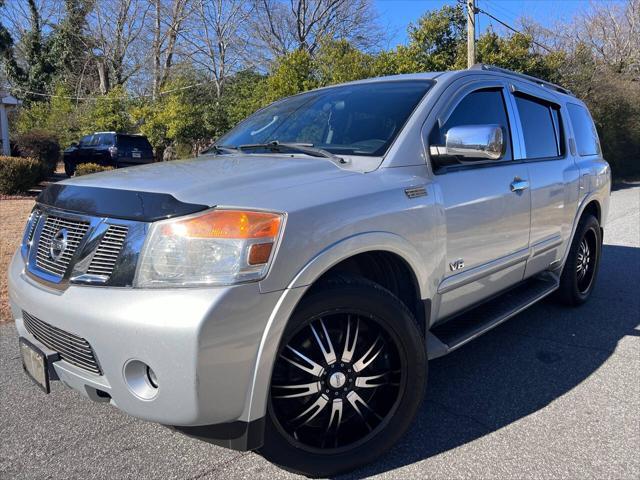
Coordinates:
<point>306,148</point>
<point>219,149</point>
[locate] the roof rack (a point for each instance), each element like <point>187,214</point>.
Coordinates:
<point>537,81</point>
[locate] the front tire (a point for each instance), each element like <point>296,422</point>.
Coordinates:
<point>581,268</point>
<point>348,380</point>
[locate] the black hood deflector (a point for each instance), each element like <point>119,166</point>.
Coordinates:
<point>116,203</point>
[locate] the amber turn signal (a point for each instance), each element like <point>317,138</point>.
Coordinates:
<point>236,224</point>
<point>259,253</point>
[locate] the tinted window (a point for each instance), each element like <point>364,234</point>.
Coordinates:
<point>541,127</point>
<point>106,139</point>
<point>483,107</point>
<point>131,142</point>
<point>584,129</point>
<point>352,119</point>
<point>86,140</point>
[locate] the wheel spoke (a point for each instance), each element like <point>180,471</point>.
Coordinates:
<point>369,382</point>
<point>336,415</point>
<point>369,357</point>
<point>313,411</point>
<point>311,367</point>
<point>350,344</point>
<point>356,402</point>
<point>328,352</point>
<point>304,390</point>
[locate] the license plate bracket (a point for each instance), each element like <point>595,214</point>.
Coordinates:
<point>37,364</point>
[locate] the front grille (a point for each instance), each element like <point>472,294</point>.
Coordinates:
<point>104,260</point>
<point>76,231</point>
<point>71,348</point>
<point>35,216</point>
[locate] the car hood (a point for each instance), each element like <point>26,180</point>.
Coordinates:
<point>231,180</point>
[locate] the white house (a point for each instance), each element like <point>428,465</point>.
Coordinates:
<point>6,102</point>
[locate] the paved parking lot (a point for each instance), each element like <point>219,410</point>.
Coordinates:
<point>553,393</point>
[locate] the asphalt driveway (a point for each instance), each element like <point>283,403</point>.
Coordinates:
<point>552,393</point>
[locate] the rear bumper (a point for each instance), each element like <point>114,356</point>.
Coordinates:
<point>203,345</point>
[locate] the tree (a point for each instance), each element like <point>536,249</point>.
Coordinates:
<point>282,27</point>
<point>36,70</point>
<point>338,61</point>
<point>69,45</point>
<point>169,19</point>
<point>110,112</point>
<point>293,73</point>
<point>117,29</point>
<point>437,41</point>
<point>220,39</point>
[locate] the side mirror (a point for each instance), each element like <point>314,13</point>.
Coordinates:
<point>473,142</point>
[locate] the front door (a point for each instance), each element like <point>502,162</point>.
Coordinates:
<point>486,205</point>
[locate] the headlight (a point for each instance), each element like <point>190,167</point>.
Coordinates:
<point>217,247</point>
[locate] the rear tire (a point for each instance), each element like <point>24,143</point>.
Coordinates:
<point>366,371</point>
<point>581,268</point>
<point>69,169</point>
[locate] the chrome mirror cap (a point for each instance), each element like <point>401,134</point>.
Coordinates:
<point>475,142</point>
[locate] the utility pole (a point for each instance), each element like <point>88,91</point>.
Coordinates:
<point>471,33</point>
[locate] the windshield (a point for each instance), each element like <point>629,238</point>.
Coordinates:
<point>360,119</point>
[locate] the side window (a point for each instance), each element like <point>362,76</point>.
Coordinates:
<point>584,129</point>
<point>541,127</point>
<point>482,107</point>
<point>86,140</point>
<point>106,139</point>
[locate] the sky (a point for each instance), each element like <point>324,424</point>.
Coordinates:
<point>397,14</point>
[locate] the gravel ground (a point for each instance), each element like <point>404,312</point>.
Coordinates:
<point>553,393</point>
<point>13,215</point>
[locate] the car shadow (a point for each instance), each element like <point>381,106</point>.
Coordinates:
<point>522,365</point>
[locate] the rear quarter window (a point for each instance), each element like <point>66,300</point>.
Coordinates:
<point>141,143</point>
<point>585,131</point>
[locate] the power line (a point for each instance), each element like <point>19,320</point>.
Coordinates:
<point>506,25</point>
<point>69,97</point>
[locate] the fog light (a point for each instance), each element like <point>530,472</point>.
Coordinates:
<point>141,379</point>
<point>151,375</point>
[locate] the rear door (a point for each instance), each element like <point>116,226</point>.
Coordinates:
<point>487,222</point>
<point>133,150</point>
<point>553,175</point>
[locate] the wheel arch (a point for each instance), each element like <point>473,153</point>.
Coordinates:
<point>346,255</point>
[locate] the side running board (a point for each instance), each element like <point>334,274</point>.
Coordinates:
<point>445,338</point>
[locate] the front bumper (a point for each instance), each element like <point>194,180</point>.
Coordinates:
<point>203,344</point>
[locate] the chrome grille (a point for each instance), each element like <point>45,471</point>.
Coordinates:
<point>71,348</point>
<point>76,231</point>
<point>107,253</point>
<point>35,216</point>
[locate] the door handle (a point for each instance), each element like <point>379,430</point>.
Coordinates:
<point>518,185</point>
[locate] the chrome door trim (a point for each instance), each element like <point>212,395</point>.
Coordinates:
<point>476,273</point>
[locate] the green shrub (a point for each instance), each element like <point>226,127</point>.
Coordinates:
<point>88,168</point>
<point>40,146</point>
<point>18,175</point>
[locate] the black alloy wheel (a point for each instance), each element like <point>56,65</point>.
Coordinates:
<point>581,267</point>
<point>336,381</point>
<point>347,382</point>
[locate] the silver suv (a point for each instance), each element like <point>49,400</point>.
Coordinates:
<point>285,291</point>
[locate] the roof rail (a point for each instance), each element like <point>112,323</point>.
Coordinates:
<point>537,81</point>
